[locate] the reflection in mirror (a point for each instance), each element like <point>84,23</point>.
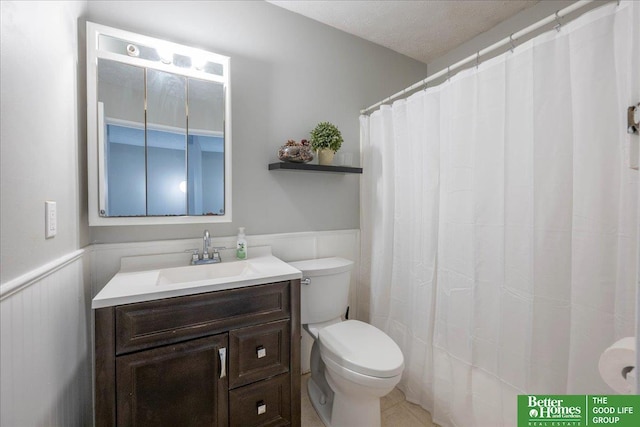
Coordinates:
<point>158,131</point>
<point>166,143</point>
<point>121,96</point>
<point>206,147</point>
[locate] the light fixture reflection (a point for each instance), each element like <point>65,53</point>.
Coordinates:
<point>132,50</point>
<point>199,62</point>
<point>165,54</point>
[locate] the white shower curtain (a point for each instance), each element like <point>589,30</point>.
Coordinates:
<point>499,222</point>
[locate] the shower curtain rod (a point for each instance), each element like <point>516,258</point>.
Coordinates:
<point>506,41</point>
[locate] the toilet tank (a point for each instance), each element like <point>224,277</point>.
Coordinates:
<point>327,294</point>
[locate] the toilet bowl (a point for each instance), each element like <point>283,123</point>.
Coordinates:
<point>353,364</point>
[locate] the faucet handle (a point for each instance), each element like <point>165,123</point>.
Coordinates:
<point>195,254</point>
<point>216,255</point>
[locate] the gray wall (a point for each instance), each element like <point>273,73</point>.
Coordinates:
<point>42,150</point>
<point>512,25</point>
<point>287,74</point>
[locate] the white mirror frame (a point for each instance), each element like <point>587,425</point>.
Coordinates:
<point>93,53</point>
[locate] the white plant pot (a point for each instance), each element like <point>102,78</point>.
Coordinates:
<point>325,156</point>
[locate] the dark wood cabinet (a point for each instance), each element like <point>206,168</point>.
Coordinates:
<point>174,385</point>
<point>214,359</point>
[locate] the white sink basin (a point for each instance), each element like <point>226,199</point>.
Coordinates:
<point>195,273</point>
<point>153,277</point>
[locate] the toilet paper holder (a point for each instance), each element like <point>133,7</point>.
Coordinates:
<point>633,123</point>
<point>617,366</point>
<point>626,370</point>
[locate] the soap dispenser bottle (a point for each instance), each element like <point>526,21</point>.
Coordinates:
<point>241,247</point>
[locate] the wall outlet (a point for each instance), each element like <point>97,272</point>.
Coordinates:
<point>51,219</point>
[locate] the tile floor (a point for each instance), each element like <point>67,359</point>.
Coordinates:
<point>396,411</point>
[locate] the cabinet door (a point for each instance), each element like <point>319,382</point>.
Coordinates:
<point>176,385</point>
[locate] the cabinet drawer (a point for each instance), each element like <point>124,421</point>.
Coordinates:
<point>258,352</point>
<point>149,324</point>
<point>265,403</point>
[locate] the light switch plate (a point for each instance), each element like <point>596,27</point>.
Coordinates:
<point>50,219</point>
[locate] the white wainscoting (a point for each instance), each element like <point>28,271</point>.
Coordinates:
<point>45,351</point>
<point>46,331</point>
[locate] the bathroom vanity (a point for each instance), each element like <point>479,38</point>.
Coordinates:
<point>213,352</point>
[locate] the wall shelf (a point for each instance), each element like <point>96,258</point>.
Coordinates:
<point>313,168</point>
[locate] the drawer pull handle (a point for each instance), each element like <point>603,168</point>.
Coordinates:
<point>262,407</point>
<point>261,351</point>
<point>222,352</point>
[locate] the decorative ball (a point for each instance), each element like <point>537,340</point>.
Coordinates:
<point>295,153</point>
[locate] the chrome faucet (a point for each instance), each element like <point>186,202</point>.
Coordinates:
<point>206,243</point>
<point>205,258</point>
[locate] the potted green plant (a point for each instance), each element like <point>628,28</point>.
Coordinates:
<point>326,139</point>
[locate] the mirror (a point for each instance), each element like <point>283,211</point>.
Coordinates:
<point>158,131</point>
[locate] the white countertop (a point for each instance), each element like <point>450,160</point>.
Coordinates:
<point>156,277</point>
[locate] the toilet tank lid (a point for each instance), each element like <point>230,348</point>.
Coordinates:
<point>323,266</point>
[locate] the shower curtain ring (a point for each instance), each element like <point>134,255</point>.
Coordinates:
<point>558,22</point>
<point>512,43</point>
<point>448,73</point>
<point>477,59</point>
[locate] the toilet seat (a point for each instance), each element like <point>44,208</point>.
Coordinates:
<point>314,328</point>
<point>361,348</point>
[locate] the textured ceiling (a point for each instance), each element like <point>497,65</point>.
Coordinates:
<point>423,30</point>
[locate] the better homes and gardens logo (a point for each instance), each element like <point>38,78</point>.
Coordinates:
<point>555,410</point>
<point>578,410</point>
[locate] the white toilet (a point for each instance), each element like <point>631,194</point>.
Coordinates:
<point>353,364</point>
